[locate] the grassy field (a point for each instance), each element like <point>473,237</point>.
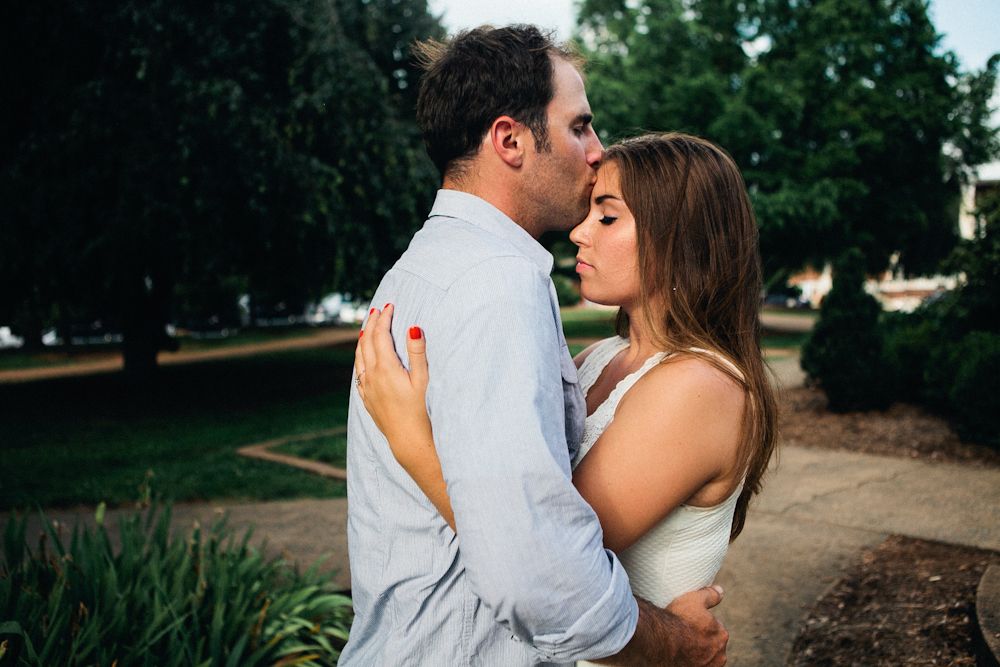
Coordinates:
<point>81,440</point>
<point>330,449</point>
<point>588,323</point>
<point>93,438</point>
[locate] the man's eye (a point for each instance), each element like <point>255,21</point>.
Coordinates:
<point>578,130</point>
<point>607,220</point>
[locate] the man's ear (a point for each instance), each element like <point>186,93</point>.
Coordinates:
<point>509,140</point>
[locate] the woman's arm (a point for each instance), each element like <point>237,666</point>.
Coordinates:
<point>395,399</point>
<point>673,440</point>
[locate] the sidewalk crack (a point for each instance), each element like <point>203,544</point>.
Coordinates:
<point>891,478</point>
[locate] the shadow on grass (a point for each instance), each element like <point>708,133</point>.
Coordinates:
<point>91,438</point>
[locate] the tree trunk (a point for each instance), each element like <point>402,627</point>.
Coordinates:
<point>30,329</point>
<point>139,353</point>
<point>144,332</point>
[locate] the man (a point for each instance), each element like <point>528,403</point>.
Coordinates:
<point>526,579</point>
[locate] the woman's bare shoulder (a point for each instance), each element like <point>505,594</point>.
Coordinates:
<point>687,393</point>
<point>695,376</point>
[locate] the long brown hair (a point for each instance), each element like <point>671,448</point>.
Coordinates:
<point>700,273</point>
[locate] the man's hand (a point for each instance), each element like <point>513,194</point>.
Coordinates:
<point>708,637</point>
<point>685,634</point>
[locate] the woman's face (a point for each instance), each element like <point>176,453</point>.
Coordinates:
<point>608,258</point>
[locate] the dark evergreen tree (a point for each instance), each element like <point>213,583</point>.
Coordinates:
<point>844,351</point>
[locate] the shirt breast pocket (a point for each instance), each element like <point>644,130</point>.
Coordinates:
<point>576,407</point>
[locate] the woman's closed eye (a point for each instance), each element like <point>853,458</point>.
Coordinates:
<point>608,219</point>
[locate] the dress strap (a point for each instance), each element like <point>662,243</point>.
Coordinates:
<point>598,358</point>
<point>725,361</point>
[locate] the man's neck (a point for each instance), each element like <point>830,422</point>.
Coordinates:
<point>498,197</point>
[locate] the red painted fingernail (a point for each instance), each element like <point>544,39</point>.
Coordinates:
<point>371,312</point>
<point>386,306</point>
<point>361,334</point>
<point>416,333</point>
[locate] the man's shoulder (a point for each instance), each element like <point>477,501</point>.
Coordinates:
<point>447,251</point>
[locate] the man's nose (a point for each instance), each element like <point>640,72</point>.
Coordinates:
<point>595,150</point>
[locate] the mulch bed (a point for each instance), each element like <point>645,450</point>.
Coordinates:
<point>908,601</point>
<point>902,430</point>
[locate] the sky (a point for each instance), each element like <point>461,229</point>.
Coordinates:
<point>970,27</point>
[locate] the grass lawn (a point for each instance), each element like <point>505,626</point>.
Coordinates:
<point>92,438</point>
<point>806,313</point>
<point>81,440</point>
<point>330,449</point>
<point>588,322</point>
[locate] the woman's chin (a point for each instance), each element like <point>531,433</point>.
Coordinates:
<point>599,301</point>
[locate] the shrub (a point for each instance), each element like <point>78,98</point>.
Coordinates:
<point>206,598</point>
<point>567,290</point>
<point>844,351</point>
<point>973,395</point>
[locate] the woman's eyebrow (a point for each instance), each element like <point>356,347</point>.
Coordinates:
<point>602,198</point>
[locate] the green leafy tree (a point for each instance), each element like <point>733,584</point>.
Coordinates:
<point>162,158</point>
<point>851,126</point>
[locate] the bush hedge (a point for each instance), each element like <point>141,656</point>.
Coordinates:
<point>974,394</point>
<point>945,355</point>
<point>844,351</point>
<point>205,598</point>
<point>567,290</point>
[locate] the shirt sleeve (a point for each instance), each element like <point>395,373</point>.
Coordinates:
<point>532,547</point>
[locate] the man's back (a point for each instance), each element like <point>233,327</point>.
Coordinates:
<point>474,285</point>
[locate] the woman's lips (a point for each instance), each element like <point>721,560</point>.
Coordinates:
<point>582,266</point>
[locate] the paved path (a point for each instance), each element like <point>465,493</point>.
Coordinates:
<point>113,362</point>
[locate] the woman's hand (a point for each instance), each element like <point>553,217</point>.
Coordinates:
<point>395,399</point>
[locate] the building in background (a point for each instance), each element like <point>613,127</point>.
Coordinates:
<point>896,292</point>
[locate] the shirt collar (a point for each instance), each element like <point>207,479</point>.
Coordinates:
<point>479,212</point>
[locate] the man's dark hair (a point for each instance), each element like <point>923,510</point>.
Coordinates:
<point>478,76</point>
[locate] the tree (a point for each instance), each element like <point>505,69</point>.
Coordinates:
<point>851,126</point>
<point>163,158</point>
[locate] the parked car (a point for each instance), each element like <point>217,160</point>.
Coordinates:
<point>8,339</point>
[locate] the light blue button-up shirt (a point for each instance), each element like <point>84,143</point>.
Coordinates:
<point>527,579</point>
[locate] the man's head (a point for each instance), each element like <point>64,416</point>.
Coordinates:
<point>507,106</point>
<point>476,77</point>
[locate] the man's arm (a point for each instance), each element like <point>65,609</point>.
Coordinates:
<point>531,546</point>
<point>685,633</point>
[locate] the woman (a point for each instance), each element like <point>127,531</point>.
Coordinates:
<point>681,416</point>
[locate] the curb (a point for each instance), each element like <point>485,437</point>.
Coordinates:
<point>988,618</point>
<point>261,451</point>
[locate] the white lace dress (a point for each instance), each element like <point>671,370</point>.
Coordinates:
<point>685,550</point>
